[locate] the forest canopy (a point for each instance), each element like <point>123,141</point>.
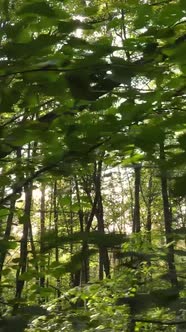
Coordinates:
<point>92,165</point>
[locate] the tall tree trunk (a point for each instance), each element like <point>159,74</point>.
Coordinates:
<point>42,232</point>
<point>24,240</point>
<point>85,247</point>
<point>11,215</point>
<point>75,278</point>
<point>131,199</point>
<point>104,263</point>
<point>7,233</point>
<point>23,245</point>
<point>80,210</point>
<point>33,248</point>
<point>149,205</point>
<point>136,217</point>
<point>168,222</point>
<point>58,280</point>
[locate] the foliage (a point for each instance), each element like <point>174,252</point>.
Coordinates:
<point>86,86</point>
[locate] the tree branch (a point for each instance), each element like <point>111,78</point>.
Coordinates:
<point>48,68</point>
<point>164,2</point>
<point>17,189</point>
<point>156,321</point>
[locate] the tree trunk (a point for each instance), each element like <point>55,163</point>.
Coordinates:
<point>23,245</point>
<point>58,280</point>
<point>42,232</point>
<point>168,222</point>
<point>104,263</point>
<point>7,233</point>
<point>136,217</point>
<point>10,216</point>
<point>149,208</point>
<point>85,246</point>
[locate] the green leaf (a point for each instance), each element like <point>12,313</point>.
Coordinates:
<point>40,8</point>
<point>142,302</point>
<point>182,3</point>
<point>15,323</point>
<point>169,14</point>
<point>7,244</point>
<point>91,10</point>
<point>180,186</point>
<point>144,13</point>
<point>23,219</point>
<point>33,310</point>
<point>4,212</point>
<point>97,238</point>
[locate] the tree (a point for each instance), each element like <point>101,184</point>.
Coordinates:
<point>85,87</point>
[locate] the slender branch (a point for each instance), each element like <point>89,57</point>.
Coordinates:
<point>161,3</point>
<point>27,181</point>
<point>156,321</point>
<point>48,68</point>
<point>13,119</point>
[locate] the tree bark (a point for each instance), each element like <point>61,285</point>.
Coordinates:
<point>85,246</point>
<point>7,233</point>
<point>168,221</point>
<point>148,203</point>
<point>58,280</point>
<point>10,216</point>
<point>104,263</point>
<point>42,232</point>
<point>23,246</point>
<point>136,217</point>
